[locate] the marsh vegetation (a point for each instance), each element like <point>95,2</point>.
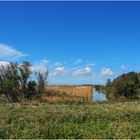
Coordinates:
<point>32,109</point>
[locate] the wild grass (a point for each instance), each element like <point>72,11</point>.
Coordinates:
<point>67,93</point>
<point>107,120</point>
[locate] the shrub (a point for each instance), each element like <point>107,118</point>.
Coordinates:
<point>41,79</point>
<point>16,84</point>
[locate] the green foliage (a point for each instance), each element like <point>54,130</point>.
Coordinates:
<point>122,129</point>
<point>15,82</point>
<point>31,89</point>
<point>108,82</point>
<point>124,86</point>
<point>41,79</point>
<point>24,76</point>
<point>106,120</point>
<point>10,82</point>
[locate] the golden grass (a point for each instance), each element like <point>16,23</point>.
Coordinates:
<point>76,93</point>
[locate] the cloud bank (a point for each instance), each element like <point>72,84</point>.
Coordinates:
<point>4,63</point>
<point>82,72</point>
<point>58,71</point>
<point>106,72</point>
<point>8,52</point>
<point>123,67</point>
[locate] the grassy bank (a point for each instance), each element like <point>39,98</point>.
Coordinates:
<point>98,120</point>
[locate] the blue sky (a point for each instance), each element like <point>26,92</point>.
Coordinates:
<point>79,42</point>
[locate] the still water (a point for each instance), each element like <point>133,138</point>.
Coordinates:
<point>98,96</point>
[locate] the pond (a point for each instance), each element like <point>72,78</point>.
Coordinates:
<point>98,96</point>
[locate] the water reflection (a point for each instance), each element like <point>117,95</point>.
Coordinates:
<point>98,96</point>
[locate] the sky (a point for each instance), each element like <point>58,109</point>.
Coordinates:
<point>78,42</point>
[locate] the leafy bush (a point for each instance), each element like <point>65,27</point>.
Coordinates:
<point>41,79</point>
<point>15,82</point>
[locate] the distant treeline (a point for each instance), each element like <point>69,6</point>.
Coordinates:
<point>74,85</point>
<point>124,86</point>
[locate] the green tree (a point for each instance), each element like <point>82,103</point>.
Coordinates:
<point>108,82</point>
<point>10,82</point>
<point>41,79</point>
<point>16,85</point>
<point>32,92</point>
<point>126,85</point>
<point>24,77</point>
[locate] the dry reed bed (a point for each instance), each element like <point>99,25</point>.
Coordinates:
<point>76,93</point>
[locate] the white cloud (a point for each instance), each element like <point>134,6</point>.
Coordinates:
<point>4,63</point>
<point>82,72</point>
<point>78,61</point>
<point>39,68</point>
<point>59,71</point>
<point>106,72</point>
<point>7,52</point>
<point>123,67</point>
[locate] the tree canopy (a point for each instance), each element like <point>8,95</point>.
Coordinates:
<point>125,85</point>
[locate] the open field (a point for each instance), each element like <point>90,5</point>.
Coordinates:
<point>68,93</point>
<point>93,120</point>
